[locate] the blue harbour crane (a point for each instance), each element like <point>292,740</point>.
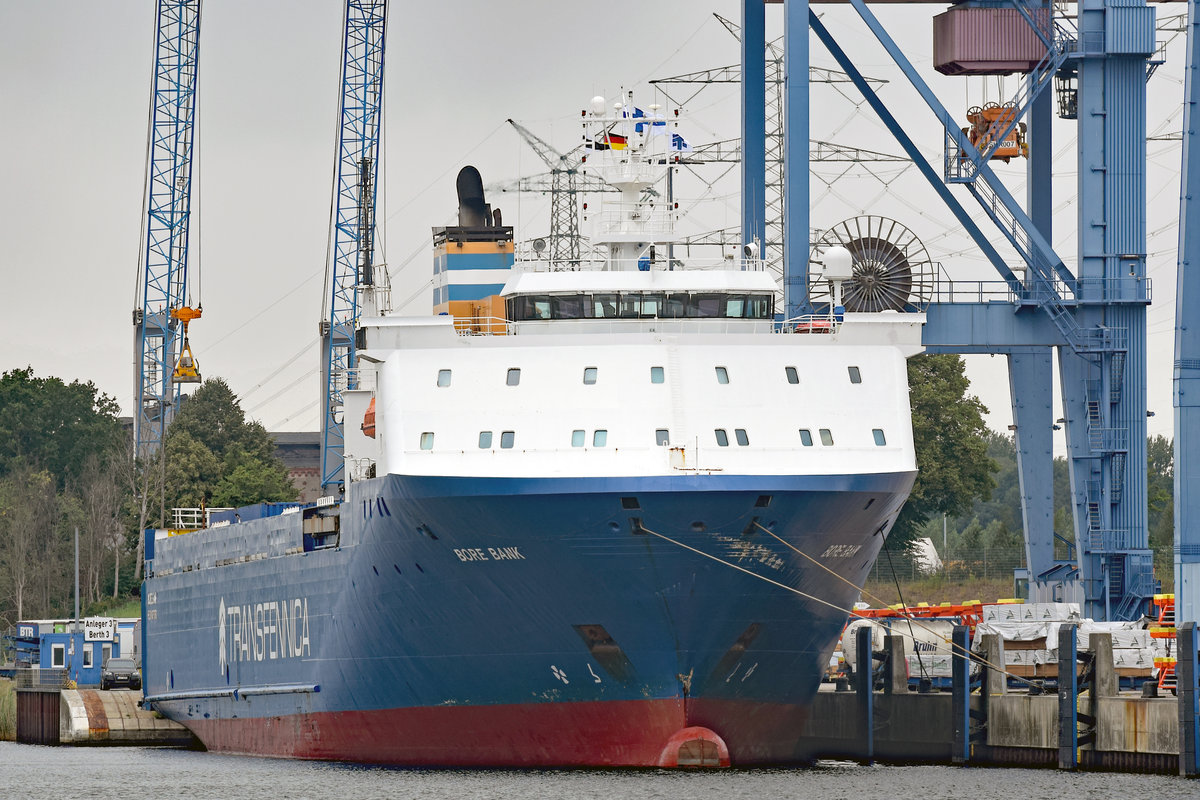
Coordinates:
<point>1092,316</point>
<point>350,268</point>
<point>162,316</point>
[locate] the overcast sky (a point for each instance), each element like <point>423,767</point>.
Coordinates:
<point>74,93</point>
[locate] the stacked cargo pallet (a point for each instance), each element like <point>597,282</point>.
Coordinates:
<point>1030,635</point>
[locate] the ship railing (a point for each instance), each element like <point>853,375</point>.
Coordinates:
<point>647,324</point>
<point>648,226</point>
<point>184,520</point>
<point>811,323</point>
<point>482,326</point>
<point>665,260</point>
<point>356,379</point>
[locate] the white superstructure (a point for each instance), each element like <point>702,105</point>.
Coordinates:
<point>642,368</point>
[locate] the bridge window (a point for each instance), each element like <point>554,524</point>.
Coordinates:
<point>855,375</point>
<point>506,439</point>
<point>879,437</point>
<point>443,377</point>
<point>805,437</point>
<point>589,375</point>
<point>657,375</point>
<point>722,437</point>
<point>514,376</point>
<point>427,441</point>
<point>485,440</point>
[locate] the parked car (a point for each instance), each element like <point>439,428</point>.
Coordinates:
<point>120,672</point>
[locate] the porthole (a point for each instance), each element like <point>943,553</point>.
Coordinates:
<point>443,377</point>
<point>880,439</point>
<point>855,375</point>
<point>427,441</point>
<point>792,375</point>
<point>589,375</point>
<point>826,437</point>
<point>599,438</point>
<point>657,375</point>
<point>722,437</point>
<point>806,437</point>
<point>514,376</point>
<point>506,439</point>
<point>485,440</point>
<point>722,375</point>
<point>742,438</point>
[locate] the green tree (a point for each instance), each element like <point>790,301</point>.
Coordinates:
<point>216,457</point>
<point>52,425</point>
<point>951,441</point>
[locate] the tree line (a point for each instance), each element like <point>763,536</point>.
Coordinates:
<point>67,463</point>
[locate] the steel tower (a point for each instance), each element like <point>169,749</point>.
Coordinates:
<point>350,266</point>
<point>163,275</point>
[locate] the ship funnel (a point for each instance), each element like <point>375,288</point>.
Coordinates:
<point>473,211</point>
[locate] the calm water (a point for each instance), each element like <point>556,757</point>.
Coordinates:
<point>65,773</point>
<point>91,774</point>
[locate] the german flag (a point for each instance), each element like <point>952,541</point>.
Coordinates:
<point>609,141</point>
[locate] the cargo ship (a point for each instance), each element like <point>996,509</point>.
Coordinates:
<point>597,514</point>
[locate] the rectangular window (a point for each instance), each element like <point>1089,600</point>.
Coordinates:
<point>792,375</point>
<point>880,439</point>
<point>506,439</point>
<point>485,440</point>
<point>427,441</point>
<point>826,437</point>
<point>742,438</point>
<point>58,655</point>
<point>443,377</point>
<point>661,437</point>
<point>589,375</point>
<point>578,438</point>
<point>600,438</point>
<point>855,375</point>
<point>87,655</point>
<point>657,375</point>
<point>805,437</point>
<point>514,376</point>
<point>722,437</point>
<point>722,375</point>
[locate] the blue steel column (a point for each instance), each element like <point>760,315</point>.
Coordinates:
<point>1031,376</point>
<point>1187,347</point>
<point>795,158</point>
<point>1031,380</point>
<point>1110,388</point>
<point>754,122</point>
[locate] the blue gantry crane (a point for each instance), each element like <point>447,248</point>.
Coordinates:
<point>1187,346</point>
<point>161,317</point>
<point>350,266</point>
<point>1093,316</point>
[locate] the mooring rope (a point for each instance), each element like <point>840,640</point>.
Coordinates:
<point>965,653</point>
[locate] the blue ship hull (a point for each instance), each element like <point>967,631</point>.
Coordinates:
<point>518,622</point>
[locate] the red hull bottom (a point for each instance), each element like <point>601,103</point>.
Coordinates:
<point>650,733</point>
